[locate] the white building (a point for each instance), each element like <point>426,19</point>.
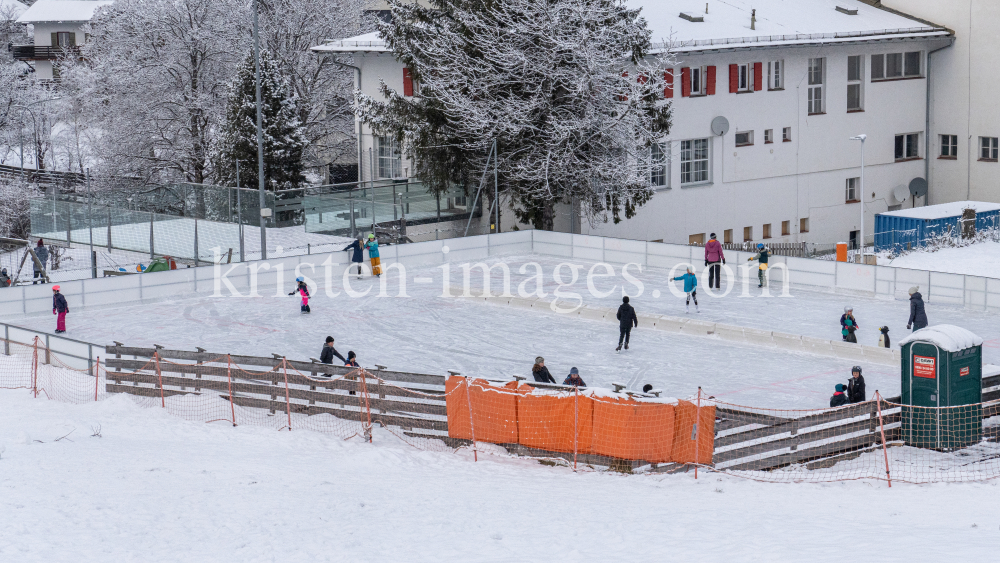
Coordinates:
<point>794,80</point>
<point>58,31</point>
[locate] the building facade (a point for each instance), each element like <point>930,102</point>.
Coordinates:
<point>58,32</point>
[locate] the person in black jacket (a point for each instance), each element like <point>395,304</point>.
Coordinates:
<point>838,399</point>
<point>60,308</point>
<point>856,386</point>
<point>540,372</point>
<point>359,254</point>
<point>626,320</point>
<point>918,318</point>
<point>326,356</point>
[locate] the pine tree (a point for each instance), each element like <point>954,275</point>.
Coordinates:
<point>284,135</point>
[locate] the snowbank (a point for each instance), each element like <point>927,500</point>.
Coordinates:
<point>944,210</point>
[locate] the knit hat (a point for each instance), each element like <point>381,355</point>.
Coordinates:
<point>329,339</point>
<point>914,289</point>
<point>56,288</point>
<point>840,387</point>
<point>539,360</point>
<point>352,355</point>
<point>647,388</point>
<point>574,371</point>
<point>712,235</point>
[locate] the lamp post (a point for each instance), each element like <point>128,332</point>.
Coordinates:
<point>34,121</point>
<point>861,232</point>
<point>260,130</point>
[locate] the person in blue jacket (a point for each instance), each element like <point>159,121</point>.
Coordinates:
<point>359,254</point>
<point>372,246</point>
<point>690,288</point>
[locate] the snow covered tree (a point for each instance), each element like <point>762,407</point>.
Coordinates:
<point>284,138</point>
<point>15,212</point>
<point>565,87</point>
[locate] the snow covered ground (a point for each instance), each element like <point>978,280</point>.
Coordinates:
<point>157,488</point>
<point>980,259</point>
<point>430,334</point>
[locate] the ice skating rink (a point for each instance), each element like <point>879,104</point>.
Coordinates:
<point>432,334</point>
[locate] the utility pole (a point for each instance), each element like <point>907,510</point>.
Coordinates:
<point>260,131</point>
<point>861,231</point>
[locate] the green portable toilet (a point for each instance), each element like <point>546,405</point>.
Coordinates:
<point>942,367</point>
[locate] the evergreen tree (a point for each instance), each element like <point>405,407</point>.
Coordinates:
<point>284,135</point>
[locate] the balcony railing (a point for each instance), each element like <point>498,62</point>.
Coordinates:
<point>42,53</point>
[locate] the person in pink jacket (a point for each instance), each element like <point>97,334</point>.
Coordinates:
<point>713,257</point>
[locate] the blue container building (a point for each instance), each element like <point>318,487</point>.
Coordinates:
<point>906,229</point>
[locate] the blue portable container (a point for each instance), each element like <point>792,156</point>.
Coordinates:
<point>906,229</point>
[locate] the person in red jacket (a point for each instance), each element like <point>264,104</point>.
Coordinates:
<point>713,257</point>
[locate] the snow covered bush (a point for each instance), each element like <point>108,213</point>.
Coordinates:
<point>15,214</point>
<point>568,89</point>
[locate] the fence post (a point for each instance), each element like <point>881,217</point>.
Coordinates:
<point>34,370</point>
<point>196,242</point>
<point>159,377</point>
<point>97,377</point>
<point>288,401</point>
<point>48,350</point>
<point>151,217</point>
<point>885,453</point>
<point>6,340</point>
<point>472,426</point>
<point>109,229</point>
<point>229,375</point>
<point>368,409</point>
<point>697,420</point>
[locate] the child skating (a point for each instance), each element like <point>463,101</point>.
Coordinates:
<point>303,290</point>
<point>372,246</point>
<point>763,254</point>
<point>358,257</point>
<point>691,289</point>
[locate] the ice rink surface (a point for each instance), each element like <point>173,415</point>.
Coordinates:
<point>432,334</point>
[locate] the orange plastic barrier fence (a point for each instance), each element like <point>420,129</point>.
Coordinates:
<point>558,424</point>
<point>686,449</point>
<point>492,417</point>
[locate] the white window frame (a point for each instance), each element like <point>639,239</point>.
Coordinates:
<point>749,138</point>
<point>910,140</point>
<point>776,75</point>
<point>786,134</point>
<point>691,173</point>
<point>744,77</point>
<point>816,96</point>
<point>988,148</point>
<point>697,81</point>
<point>390,158</point>
<point>852,189</point>
<point>857,83</point>
<point>768,136</point>
<point>880,67</point>
<point>949,146</point>
<point>659,173</point>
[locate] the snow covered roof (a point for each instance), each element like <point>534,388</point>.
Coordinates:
<point>727,24</point>
<point>949,338</point>
<point>54,11</point>
<point>944,210</point>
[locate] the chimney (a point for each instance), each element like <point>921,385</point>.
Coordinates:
<point>753,19</point>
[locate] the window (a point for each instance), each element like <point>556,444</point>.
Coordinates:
<point>896,65</point>
<point>64,39</point>
<point>744,138</point>
<point>775,75</point>
<point>697,239</point>
<point>658,168</point>
<point>853,240</point>
<point>727,236</point>
<point>694,161</point>
<point>907,146</point>
<point>852,194</point>
<point>786,135</point>
<point>855,83</point>
<point>743,83</point>
<point>815,95</point>
<point>768,136</point>
<point>697,81</point>
<point>786,228</point>
<point>804,225</point>
<point>949,146</point>
<point>390,161</point>
<point>988,148</point>
<point>767,230</point>
<point>747,234</point>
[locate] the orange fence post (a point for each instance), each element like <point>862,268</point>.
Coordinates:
<point>697,419</point>
<point>97,377</point>
<point>368,409</point>
<point>576,423</point>
<point>472,426</point>
<point>288,401</point>
<point>159,376</point>
<point>229,374</point>
<point>878,399</point>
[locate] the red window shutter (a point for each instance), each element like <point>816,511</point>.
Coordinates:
<point>686,82</point>
<point>668,80</point>
<point>734,78</point>
<point>407,82</point>
<point>642,79</point>
<point>710,80</point>
<point>758,76</point>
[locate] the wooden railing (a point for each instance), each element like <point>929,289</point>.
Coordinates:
<point>42,52</point>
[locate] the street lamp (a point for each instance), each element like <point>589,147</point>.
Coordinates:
<point>260,130</point>
<point>23,108</point>
<point>861,232</point>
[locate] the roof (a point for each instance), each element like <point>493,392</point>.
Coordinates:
<point>727,24</point>
<point>949,338</point>
<point>943,210</point>
<point>54,11</point>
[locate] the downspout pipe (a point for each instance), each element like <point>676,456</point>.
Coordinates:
<point>927,122</point>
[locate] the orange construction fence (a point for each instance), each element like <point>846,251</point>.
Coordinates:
<point>582,422</point>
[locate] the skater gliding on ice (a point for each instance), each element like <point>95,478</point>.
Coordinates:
<point>763,254</point>
<point>713,256</point>
<point>690,288</point>
<point>848,325</point>
<point>372,246</point>
<point>918,317</point>
<point>303,290</point>
<point>60,308</point>
<point>626,320</point>
<point>359,254</point>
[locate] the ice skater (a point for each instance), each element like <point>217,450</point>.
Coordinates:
<point>303,290</point>
<point>42,254</point>
<point>918,317</point>
<point>372,246</point>
<point>763,254</point>
<point>713,256</point>
<point>326,356</point>
<point>626,320</point>
<point>690,288</point>
<point>359,254</point>
<point>60,308</point>
<point>856,386</point>
<point>848,325</point>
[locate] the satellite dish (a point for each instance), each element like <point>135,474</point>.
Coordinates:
<point>720,125</point>
<point>918,187</point>
<point>900,192</point>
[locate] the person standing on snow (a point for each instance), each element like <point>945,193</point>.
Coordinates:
<point>838,399</point>
<point>763,255</point>
<point>60,308</point>
<point>372,246</point>
<point>42,254</point>
<point>690,288</point>
<point>626,320</point>
<point>326,356</point>
<point>359,254</point>
<point>848,325</point>
<point>918,318</point>
<point>574,378</point>
<point>540,372</point>
<point>856,386</point>
<point>303,290</point>
<point>713,256</point>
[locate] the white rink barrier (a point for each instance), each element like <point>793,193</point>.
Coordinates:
<point>694,327</point>
<point>973,292</point>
